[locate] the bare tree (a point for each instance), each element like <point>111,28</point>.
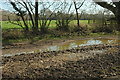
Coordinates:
<point>44,17</point>
<point>114,6</point>
<point>24,10</point>
<point>20,13</point>
<point>77,7</point>
<point>63,17</point>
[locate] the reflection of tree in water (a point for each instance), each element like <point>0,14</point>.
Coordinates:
<point>77,43</point>
<point>72,44</point>
<point>65,46</point>
<point>52,48</point>
<point>92,42</point>
<point>80,42</point>
<point>106,41</point>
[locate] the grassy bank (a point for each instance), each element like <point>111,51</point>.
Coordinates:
<point>56,37</point>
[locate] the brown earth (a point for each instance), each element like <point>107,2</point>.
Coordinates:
<point>81,62</point>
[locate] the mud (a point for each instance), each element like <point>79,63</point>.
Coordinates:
<point>93,61</point>
<point>54,45</point>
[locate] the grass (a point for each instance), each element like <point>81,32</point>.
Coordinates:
<point>15,35</point>
<point>53,37</point>
<point>7,25</point>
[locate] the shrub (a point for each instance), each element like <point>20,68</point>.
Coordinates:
<point>63,25</point>
<point>12,34</point>
<point>105,28</point>
<point>84,30</point>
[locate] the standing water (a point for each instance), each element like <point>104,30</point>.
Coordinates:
<point>69,45</point>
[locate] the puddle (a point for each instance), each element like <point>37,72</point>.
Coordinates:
<point>78,43</point>
<point>69,45</point>
<point>78,56</point>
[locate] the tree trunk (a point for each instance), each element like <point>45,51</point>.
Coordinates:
<point>21,15</point>
<point>36,15</point>
<point>118,16</point>
<point>77,19</point>
<point>77,16</point>
<point>118,22</point>
<point>115,10</point>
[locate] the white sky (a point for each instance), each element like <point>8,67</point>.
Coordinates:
<point>87,7</point>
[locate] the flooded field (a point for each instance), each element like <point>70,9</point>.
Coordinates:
<point>78,43</point>
<point>65,45</point>
<point>96,58</point>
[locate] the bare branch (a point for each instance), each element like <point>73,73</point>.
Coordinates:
<point>29,13</point>
<point>18,22</point>
<point>106,5</point>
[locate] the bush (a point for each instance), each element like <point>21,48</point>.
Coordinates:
<point>105,28</point>
<point>63,25</point>
<point>11,34</point>
<point>44,30</point>
<point>84,30</point>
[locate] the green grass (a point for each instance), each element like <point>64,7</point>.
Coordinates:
<point>52,37</point>
<point>7,25</point>
<point>15,36</point>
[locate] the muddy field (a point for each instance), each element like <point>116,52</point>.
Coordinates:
<point>88,61</point>
<point>81,62</point>
<point>54,45</point>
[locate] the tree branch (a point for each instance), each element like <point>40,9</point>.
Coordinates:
<point>106,5</point>
<point>21,13</point>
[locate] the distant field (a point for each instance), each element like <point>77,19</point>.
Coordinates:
<point>7,25</point>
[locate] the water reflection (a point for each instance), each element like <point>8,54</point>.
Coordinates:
<point>70,45</point>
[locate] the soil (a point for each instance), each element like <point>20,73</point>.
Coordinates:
<point>27,46</point>
<point>93,61</point>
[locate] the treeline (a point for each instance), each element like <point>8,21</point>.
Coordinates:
<point>83,16</point>
<point>37,16</point>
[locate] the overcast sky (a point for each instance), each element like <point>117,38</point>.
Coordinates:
<point>87,7</point>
